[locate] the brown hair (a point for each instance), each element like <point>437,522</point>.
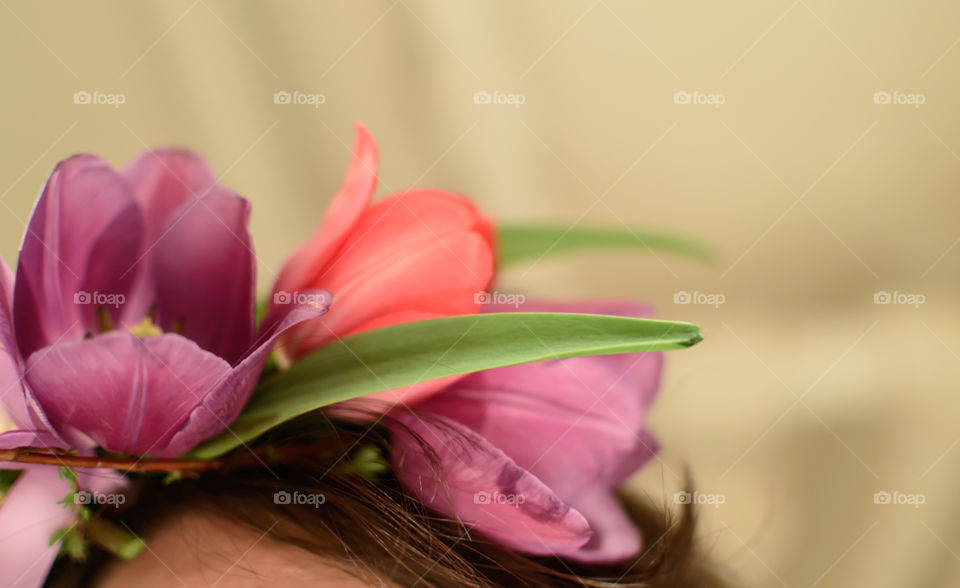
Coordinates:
<point>376,523</point>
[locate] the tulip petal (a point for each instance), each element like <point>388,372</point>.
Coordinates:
<point>579,414</point>
<point>225,401</point>
<point>6,307</point>
<point>29,517</point>
<point>306,265</point>
<point>616,537</point>
<point>16,404</point>
<point>163,180</point>
<point>480,485</point>
<point>122,393</point>
<point>30,438</point>
<point>421,251</point>
<point>12,402</point>
<point>205,274</point>
<point>83,237</point>
<point>578,424</point>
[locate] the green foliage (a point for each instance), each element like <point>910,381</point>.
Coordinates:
<point>520,243</point>
<point>405,354</point>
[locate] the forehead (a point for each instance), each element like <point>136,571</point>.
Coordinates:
<point>197,549</point>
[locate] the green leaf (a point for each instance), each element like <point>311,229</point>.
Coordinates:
<point>367,461</point>
<point>59,535</point>
<point>413,352</point>
<point>67,474</point>
<point>72,543</point>
<point>7,479</point>
<point>519,242</point>
<point>120,542</point>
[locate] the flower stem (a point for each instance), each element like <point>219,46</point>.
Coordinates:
<point>117,541</point>
<point>41,456</point>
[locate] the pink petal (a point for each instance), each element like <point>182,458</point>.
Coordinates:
<point>422,251</point>
<point>29,517</point>
<point>311,258</point>
<point>162,181</point>
<point>122,393</point>
<point>579,415</point>
<point>480,485</point>
<point>577,424</point>
<point>158,396</point>
<point>205,274</point>
<point>12,401</point>
<point>616,537</point>
<point>225,401</point>
<point>30,438</point>
<point>6,296</point>
<point>83,236</point>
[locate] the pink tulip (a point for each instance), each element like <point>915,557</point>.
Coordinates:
<point>130,325</point>
<point>530,455</point>
<point>30,515</point>
<point>416,255</point>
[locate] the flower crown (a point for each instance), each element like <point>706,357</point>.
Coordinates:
<point>130,346</point>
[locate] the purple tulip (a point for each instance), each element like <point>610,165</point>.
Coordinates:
<point>130,325</point>
<point>530,455</point>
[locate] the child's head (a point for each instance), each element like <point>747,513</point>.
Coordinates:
<point>232,530</point>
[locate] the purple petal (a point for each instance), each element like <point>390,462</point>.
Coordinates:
<point>83,239</point>
<point>578,415</point>
<point>616,537</point>
<point>29,516</point>
<point>6,296</point>
<point>163,180</point>
<point>11,390</point>
<point>577,424</point>
<point>30,438</point>
<point>204,270</point>
<point>224,403</point>
<point>159,395</point>
<point>102,480</point>
<point>481,486</point>
<point>122,393</point>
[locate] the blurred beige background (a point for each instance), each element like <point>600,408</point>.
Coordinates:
<point>806,397</point>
